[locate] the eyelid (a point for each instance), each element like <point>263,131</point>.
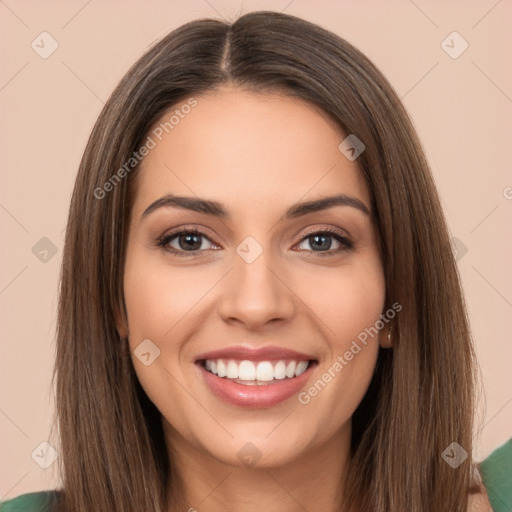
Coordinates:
<point>342,236</point>
<point>164,240</point>
<point>329,229</point>
<point>188,228</point>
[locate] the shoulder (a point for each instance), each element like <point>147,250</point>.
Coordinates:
<point>41,501</point>
<point>479,503</point>
<point>496,473</point>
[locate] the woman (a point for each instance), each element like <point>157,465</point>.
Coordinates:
<point>259,305</point>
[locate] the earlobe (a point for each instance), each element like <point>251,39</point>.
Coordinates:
<point>121,324</point>
<point>386,336</point>
<point>123,333</point>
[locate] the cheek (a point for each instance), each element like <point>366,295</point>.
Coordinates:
<point>162,304</point>
<point>360,304</point>
<point>347,300</point>
<point>340,302</point>
<point>338,305</point>
<point>159,298</point>
<point>349,303</point>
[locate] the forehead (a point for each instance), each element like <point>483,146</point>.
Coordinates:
<point>248,149</point>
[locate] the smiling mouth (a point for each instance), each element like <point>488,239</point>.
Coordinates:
<point>257,373</point>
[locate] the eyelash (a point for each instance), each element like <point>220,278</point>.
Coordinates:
<point>346,243</point>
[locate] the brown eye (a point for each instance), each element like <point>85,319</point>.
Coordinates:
<point>185,242</point>
<point>321,242</point>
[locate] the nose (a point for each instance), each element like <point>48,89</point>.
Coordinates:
<point>255,294</point>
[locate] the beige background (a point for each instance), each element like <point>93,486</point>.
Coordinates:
<point>462,109</point>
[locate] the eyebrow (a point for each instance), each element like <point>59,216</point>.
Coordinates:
<point>218,210</point>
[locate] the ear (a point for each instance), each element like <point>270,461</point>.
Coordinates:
<point>386,336</point>
<point>121,323</point>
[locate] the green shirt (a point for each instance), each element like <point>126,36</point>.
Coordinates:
<point>41,501</point>
<point>496,474</point>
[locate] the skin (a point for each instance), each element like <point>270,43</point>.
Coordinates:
<point>257,153</point>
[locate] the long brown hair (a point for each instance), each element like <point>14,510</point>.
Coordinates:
<point>113,455</point>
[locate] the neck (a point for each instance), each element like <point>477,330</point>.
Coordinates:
<point>311,481</point>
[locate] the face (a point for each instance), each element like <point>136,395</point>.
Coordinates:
<point>251,284</point>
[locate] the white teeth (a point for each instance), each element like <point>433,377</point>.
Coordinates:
<point>221,368</point>
<point>247,371</point>
<point>264,371</point>
<point>232,370</point>
<point>280,370</point>
<point>290,369</point>
<point>301,368</point>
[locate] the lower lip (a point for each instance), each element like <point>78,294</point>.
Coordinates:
<point>256,396</point>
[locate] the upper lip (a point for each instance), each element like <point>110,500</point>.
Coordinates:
<point>268,353</point>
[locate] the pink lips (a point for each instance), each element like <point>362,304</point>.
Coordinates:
<point>269,353</point>
<point>255,396</point>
